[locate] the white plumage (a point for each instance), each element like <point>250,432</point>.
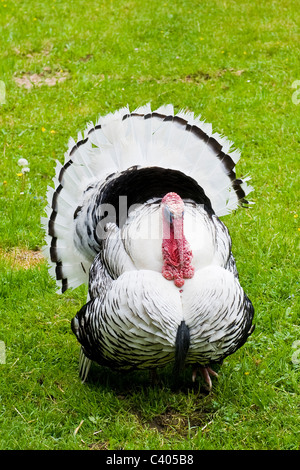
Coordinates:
<point>135,213</point>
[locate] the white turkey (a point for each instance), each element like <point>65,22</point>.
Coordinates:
<point>134,213</point>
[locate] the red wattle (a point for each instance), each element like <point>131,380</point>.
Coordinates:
<point>177,255</point>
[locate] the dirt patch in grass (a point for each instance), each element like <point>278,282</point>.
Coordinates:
<point>202,76</point>
<point>175,423</point>
<point>19,258</point>
<point>99,445</point>
<point>171,422</point>
<point>46,77</point>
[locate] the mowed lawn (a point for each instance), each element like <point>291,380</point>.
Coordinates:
<point>62,64</point>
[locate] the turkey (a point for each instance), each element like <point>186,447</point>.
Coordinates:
<point>135,214</point>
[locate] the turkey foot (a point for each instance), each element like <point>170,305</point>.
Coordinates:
<point>206,373</point>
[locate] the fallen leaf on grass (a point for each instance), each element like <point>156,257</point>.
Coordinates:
<point>78,427</point>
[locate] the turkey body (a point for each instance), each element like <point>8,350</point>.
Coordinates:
<point>135,213</point>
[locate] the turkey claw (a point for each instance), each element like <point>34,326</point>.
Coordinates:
<point>206,372</point>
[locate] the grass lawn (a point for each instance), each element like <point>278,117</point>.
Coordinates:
<point>64,63</point>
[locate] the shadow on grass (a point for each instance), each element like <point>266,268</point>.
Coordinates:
<point>129,382</point>
<point>172,410</point>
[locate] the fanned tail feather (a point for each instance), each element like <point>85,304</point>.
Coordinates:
<point>118,141</point>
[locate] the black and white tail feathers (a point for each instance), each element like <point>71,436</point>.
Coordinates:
<point>136,143</point>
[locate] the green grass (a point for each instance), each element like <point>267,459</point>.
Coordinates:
<point>232,62</point>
